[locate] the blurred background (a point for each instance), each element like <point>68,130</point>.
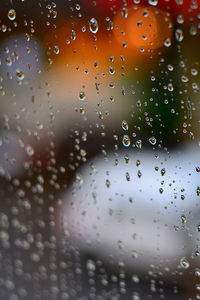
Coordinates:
<point>99,149</point>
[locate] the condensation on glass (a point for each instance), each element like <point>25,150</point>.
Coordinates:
<point>99,150</point>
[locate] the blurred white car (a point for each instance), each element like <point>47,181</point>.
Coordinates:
<point>142,213</point>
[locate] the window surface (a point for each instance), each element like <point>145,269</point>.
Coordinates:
<point>99,149</point>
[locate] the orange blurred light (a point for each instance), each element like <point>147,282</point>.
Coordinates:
<point>86,51</point>
<point>82,48</point>
<point>94,54</point>
<point>143,29</point>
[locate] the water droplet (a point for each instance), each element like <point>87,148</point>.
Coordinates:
<point>111,70</point>
<point>194,72</point>
<point>179,2</point>
<point>152,140</point>
<point>4,28</point>
<point>197,272</point>
<point>138,144</point>
<point>183,219</point>
<point>167,42</point>
<point>126,141</point>
<point>78,179</point>
<point>197,286</point>
<point>128,177</point>
<point>127,159</point>
<point>73,35</point>
<point>9,61</point>
<point>83,152</point>
<point>110,26</point>
<point>180,19</point>
<point>93,25</point>
<point>179,35</point>
<point>82,95</point>
<point>39,125</point>
<point>138,163</point>
<point>184,78</point>
<point>163,171</point>
<point>56,49</point>
<point>184,263</point>
<point>136,297</point>
<point>153,2</point>
<point>35,257</point>
<point>170,68</point>
<point>193,30</point>
<point>107,183</point>
<point>11,14</point>
<point>170,87</point>
<point>135,279</point>
<point>198,169</point>
<point>124,125</point>
<point>20,75</point>
<point>91,265</point>
<point>78,7</point>
<point>29,150</point>
<point>124,12</point>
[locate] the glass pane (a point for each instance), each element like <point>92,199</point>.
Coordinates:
<point>99,150</point>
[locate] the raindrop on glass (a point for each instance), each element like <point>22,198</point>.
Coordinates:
<point>93,25</point>
<point>11,14</point>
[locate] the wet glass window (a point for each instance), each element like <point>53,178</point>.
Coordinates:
<point>100,149</point>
